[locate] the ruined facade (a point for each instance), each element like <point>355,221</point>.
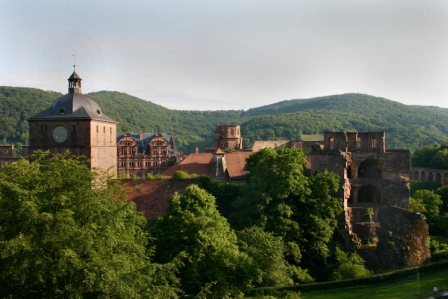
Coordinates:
<point>375,183</point>
<point>227,137</point>
<point>145,153</point>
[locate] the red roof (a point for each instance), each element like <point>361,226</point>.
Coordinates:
<point>194,163</point>
<point>236,164</point>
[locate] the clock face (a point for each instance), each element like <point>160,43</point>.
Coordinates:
<point>60,134</point>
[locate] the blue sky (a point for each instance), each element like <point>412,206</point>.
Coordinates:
<point>219,55</point>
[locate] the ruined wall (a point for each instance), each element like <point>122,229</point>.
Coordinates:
<point>227,136</point>
<point>402,238</point>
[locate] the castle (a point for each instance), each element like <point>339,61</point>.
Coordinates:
<point>76,123</point>
<point>374,180</point>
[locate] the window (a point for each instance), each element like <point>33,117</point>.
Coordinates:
<point>373,142</point>
<point>358,143</point>
<point>97,130</point>
<point>331,141</point>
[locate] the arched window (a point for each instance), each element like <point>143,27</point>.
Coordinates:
<point>369,169</point>
<point>416,176</point>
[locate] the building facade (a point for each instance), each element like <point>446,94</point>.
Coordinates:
<point>145,153</point>
<point>76,123</point>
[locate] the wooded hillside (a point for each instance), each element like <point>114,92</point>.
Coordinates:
<point>407,127</point>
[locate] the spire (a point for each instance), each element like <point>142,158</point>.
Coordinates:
<point>74,82</point>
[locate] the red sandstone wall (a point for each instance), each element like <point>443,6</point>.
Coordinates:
<point>151,196</point>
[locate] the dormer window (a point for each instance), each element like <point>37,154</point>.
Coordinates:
<point>98,111</point>
<point>62,111</point>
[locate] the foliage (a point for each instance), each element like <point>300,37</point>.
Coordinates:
<point>224,192</point>
<point>407,127</point>
<point>348,265</point>
<point>300,210</point>
<point>426,202</point>
<point>268,252</point>
<point>151,176</point>
<point>66,232</point>
<point>194,230</point>
<point>180,175</point>
<point>431,156</point>
<point>425,185</point>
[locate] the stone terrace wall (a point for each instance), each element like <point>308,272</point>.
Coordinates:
<point>151,196</point>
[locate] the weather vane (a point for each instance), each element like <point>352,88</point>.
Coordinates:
<point>74,62</point>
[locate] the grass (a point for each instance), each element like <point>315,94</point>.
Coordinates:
<point>402,288</point>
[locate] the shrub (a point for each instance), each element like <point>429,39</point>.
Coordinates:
<point>180,175</point>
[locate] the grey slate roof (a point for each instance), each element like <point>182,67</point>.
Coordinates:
<point>147,137</point>
<point>74,76</point>
<point>73,106</point>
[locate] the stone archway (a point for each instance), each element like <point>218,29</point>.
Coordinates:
<point>423,176</point>
<point>416,176</point>
<point>369,194</point>
<point>370,169</point>
<point>430,176</point>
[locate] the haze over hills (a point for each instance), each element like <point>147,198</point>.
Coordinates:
<point>407,127</point>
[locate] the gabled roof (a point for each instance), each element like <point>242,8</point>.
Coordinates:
<point>147,138</point>
<point>236,164</point>
<point>198,163</point>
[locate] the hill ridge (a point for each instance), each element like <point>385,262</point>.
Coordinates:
<point>407,126</point>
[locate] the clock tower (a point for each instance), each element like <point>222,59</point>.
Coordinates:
<point>76,123</point>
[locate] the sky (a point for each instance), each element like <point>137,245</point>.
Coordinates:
<point>230,55</point>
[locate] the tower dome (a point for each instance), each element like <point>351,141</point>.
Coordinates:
<point>74,105</point>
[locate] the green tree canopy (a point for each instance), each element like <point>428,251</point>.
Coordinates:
<point>348,265</point>
<point>426,202</point>
<point>66,232</point>
<point>194,231</point>
<point>268,252</point>
<point>279,198</point>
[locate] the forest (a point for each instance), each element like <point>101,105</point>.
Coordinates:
<point>406,127</point>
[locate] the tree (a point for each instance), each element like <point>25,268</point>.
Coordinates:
<point>426,202</point>
<point>279,198</point>
<point>268,252</point>
<point>348,265</point>
<point>194,232</point>
<point>66,232</point>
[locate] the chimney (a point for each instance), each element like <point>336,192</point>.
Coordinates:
<point>197,150</point>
